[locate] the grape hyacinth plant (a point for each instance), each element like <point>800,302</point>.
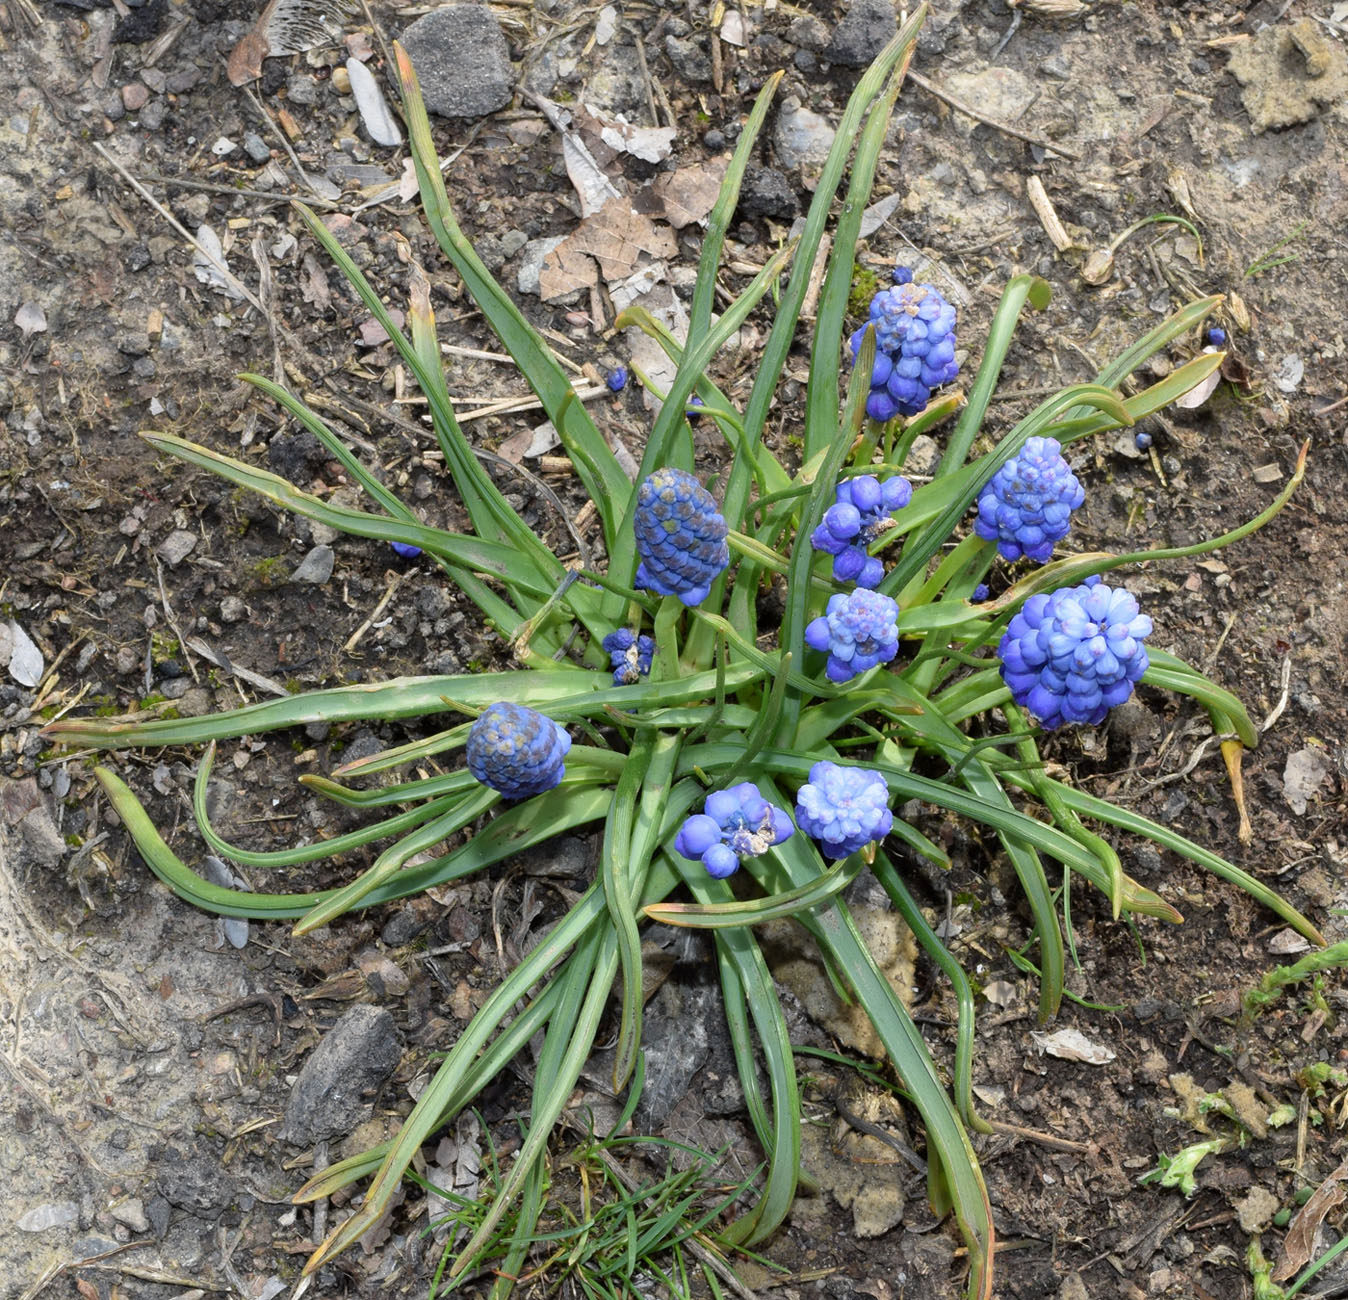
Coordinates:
<point>735,823</point>
<point>1027,506</point>
<point>1075,653</point>
<point>844,808</point>
<point>681,536</point>
<point>858,631</point>
<point>862,511</point>
<point>629,655</point>
<point>516,751</point>
<point>914,347</point>
<point>570,733</point>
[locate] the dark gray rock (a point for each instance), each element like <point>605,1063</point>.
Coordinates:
<point>462,61</point>
<point>189,1180</point>
<point>676,1038</point>
<point>356,1055</point>
<point>766,192</point>
<point>863,33</point>
<point>690,60</point>
<point>316,567</point>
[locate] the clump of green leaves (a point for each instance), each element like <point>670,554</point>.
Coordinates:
<point>725,702</point>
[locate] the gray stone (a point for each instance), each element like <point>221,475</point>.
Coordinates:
<point>159,1212</point>
<point>190,1180</point>
<point>690,60</point>
<point>802,137</point>
<point>256,147</point>
<point>356,1055</point>
<point>863,33</point>
<point>42,842</point>
<point>316,567</point>
<point>233,610</point>
<point>462,61</point>
<point>808,33</point>
<point>531,262</point>
<point>175,548</point>
<point>132,1213</point>
<point>766,192</point>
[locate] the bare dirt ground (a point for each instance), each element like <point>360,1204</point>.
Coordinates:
<point>141,1155</point>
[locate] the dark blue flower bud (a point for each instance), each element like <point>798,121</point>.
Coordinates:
<point>516,750</point>
<point>681,537</point>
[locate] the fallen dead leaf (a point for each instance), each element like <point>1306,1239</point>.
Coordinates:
<point>618,238</point>
<point>689,194</point>
<point>1299,1244</point>
<point>1303,776</point>
<point>565,269</point>
<point>1072,1045</point>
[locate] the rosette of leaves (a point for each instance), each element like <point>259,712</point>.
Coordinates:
<point>719,706</point>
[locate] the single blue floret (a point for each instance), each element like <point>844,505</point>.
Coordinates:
<point>843,808</point>
<point>902,275</point>
<point>516,750</point>
<point>681,537</point>
<point>1217,336</point>
<point>737,823</point>
<point>692,411</point>
<point>980,594</point>
<point>914,349</point>
<point>616,379</point>
<point>629,655</point>
<point>1073,654</point>
<point>858,631</point>
<point>1027,506</point>
<point>1142,441</point>
<point>406,550</point>
<point>863,509</point>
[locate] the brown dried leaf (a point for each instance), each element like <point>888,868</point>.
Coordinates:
<point>619,239</point>
<point>314,284</point>
<point>1299,1244</point>
<point>689,194</point>
<point>565,270</point>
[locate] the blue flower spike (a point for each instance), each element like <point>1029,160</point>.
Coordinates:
<point>616,379</point>
<point>914,348</point>
<point>843,808</point>
<point>516,750</point>
<point>736,823</point>
<point>681,537</point>
<point>1073,654</point>
<point>863,509</point>
<point>1027,505</point>
<point>1217,337</point>
<point>629,655</point>
<point>857,631</point>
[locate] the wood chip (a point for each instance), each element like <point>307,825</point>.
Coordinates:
<point>1048,218</point>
